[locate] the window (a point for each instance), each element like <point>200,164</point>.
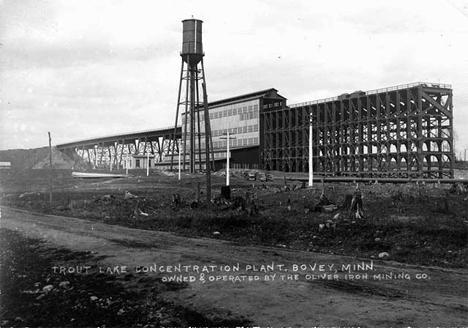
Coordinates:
<point>250,141</point>
<point>256,107</point>
<point>250,109</point>
<point>234,131</point>
<point>245,110</point>
<point>224,113</point>
<point>250,128</point>
<point>234,111</point>
<point>245,129</point>
<point>229,112</point>
<point>137,163</point>
<point>255,128</point>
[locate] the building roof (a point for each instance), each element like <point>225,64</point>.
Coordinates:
<point>267,93</point>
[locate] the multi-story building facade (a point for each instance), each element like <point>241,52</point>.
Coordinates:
<point>238,117</point>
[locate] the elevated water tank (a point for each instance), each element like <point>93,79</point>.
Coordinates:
<point>192,45</point>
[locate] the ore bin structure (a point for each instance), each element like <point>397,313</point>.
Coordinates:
<point>402,131</point>
<point>398,132</point>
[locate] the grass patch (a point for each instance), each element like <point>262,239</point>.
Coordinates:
<point>414,224</point>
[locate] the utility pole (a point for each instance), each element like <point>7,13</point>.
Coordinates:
<point>207,150</point>
<point>50,169</point>
<point>147,163</point>
<point>179,148</point>
<point>311,156</point>
<point>227,155</point>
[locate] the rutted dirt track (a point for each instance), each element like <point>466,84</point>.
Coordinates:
<point>437,300</point>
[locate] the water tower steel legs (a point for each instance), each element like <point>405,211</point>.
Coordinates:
<point>191,70</point>
<point>174,137</point>
<point>192,123</point>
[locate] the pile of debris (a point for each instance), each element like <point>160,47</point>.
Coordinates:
<point>249,175</point>
<point>130,201</point>
<point>458,188</point>
<point>349,212</point>
<point>238,203</point>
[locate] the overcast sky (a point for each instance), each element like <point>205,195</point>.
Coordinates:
<point>81,69</point>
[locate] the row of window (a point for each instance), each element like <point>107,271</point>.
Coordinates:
<point>248,116</point>
<point>236,142</point>
<point>233,143</point>
<point>234,111</point>
<point>246,113</point>
<point>238,130</point>
<point>276,104</point>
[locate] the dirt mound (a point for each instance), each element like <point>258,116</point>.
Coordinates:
<point>59,161</point>
<point>36,158</point>
<point>23,159</point>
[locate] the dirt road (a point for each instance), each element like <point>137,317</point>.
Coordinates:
<point>269,286</point>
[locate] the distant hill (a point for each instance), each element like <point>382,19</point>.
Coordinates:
<point>36,158</point>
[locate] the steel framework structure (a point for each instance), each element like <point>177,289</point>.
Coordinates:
<point>190,77</point>
<point>402,131</point>
<point>110,152</point>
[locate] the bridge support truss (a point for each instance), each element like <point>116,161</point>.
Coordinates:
<point>404,131</point>
<point>110,152</point>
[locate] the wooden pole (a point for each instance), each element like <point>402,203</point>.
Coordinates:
<point>178,147</point>
<point>228,138</point>
<point>126,164</point>
<point>227,159</point>
<point>311,155</point>
<point>147,163</point>
<point>207,149</point>
<point>50,169</point>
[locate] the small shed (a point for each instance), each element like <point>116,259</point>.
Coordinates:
<point>5,165</point>
<point>138,162</point>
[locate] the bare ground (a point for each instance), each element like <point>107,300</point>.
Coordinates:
<point>439,299</point>
<point>307,284</point>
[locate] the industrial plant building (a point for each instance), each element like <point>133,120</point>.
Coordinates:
<point>401,131</point>
<point>239,119</point>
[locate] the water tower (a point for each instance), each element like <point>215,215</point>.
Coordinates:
<point>191,73</point>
